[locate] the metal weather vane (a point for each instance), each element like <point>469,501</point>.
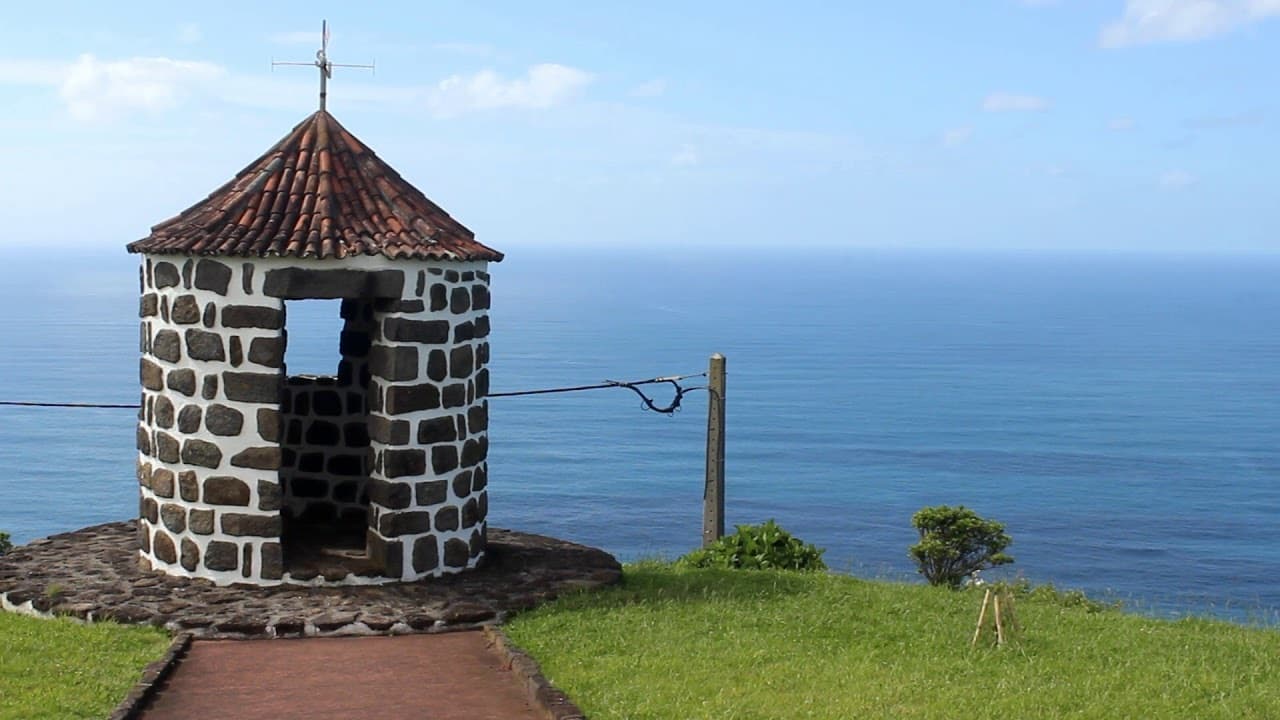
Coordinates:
<point>323,63</point>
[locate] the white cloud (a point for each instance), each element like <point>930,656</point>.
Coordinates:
<point>1120,124</point>
<point>1154,21</point>
<point>686,156</point>
<point>1012,102</point>
<point>652,88</point>
<point>1176,179</point>
<point>189,34</point>
<point>94,89</point>
<point>543,86</point>
<point>957,136</point>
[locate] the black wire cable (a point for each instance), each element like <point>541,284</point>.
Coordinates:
<point>649,403</point>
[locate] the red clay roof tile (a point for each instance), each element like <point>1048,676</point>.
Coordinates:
<point>319,193</point>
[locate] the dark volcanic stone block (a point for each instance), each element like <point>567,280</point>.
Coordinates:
<point>434,430</point>
<point>186,310</point>
<point>482,326</point>
<point>268,352</point>
<point>167,346</point>
<point>201,521</point>
<point>213,276</point>
<point>482,383</point>
<point>394,363</point>
<point>477,543</point>
<point>259,458</point>
<point>404,523</point>
<point>226,490</point>
<point>246,278</point>
<point>183,381</point>
<point>221,555</point>
<point>455,395</point>
<point>174,517</point>
<point>209,388</point>
<point>252,316</point>
<point>475,451</point>
<point>432,492</point>
<point>352,343</point>
<point>190,554</point>
<point>164,412</point>
<point>470,513</point>
<point>464,332</point>
<point>167,448</point>
<point>390,495</point>
<point>323,434</point>
<point>166,275</point>
<point>201,452</point>
<point>459,301</point>
<point>272,561</point>
<point>426,554</point>
<point>462,484</point>
<point>456,553</point>
<point>268,495</point>
<point>348,465</point>
<point>444,458</point>
<point>480,297</point>
<point>151,375</point>
<point>439,296</point>
<point>402,463</point>
<point>478,417</point>
<point>149,510</point>
<point>327,402</point>
<point>162,547</point>
<point>447,518</point>
<point>388,432</point>
<point>188,486</point>
<point>252,387</point>
<point>305,486</point>
<point>251,525</point>
<point>269,424</point>
<point>345,492</point>
<point>412,398</point>
<point>189,418</point>
<point>223,420</point>
<point>204,345</point>
<point>437,365</point>
<point>210,317</point>
<point>162,482</point>
<point>300,284</point>
<point>311,462</point>
<point>461,362</point>
<point>356,435</point>
<point>416,331</point>
<point>236,349</point>
<point>144,440</point>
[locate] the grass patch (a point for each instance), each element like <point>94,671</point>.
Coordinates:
<point>64,669</point>
<point>673,643</point>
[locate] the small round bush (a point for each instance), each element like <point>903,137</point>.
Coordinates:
<point>955,542</point>
<point>5,544</point>
<point>757,547</point>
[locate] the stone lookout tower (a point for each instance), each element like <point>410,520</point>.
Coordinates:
<point>376,473</point>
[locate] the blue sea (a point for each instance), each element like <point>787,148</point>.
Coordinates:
<point>1120,413</point>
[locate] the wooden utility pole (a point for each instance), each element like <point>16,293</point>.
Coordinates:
<point>713,492</point>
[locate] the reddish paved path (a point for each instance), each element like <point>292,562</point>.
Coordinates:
<point>450,676</point>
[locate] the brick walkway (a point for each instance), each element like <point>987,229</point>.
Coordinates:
<point>447,676</point>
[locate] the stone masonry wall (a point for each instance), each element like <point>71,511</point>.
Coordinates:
<point>210,431</point>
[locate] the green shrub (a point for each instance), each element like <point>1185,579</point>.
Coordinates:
<point>955,542</point>
<point>5,544</point>
<point>757,547</point>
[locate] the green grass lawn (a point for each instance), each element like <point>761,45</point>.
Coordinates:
<point>722,644</point>
<point>63,669</point>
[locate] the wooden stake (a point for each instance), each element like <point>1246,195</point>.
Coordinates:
<point>999,625</point>
<point>982,615</point>
<point>713,490</point>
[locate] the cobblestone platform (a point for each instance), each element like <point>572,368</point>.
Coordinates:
<point>94,574</point>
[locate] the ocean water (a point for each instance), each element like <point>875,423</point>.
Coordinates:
<point>1119,413</point>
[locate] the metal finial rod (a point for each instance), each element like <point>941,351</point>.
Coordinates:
<point>324,64</point>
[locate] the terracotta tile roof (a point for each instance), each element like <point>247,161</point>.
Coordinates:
<point>321,193</point>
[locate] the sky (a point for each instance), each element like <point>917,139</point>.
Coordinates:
<point>1125,125</point>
